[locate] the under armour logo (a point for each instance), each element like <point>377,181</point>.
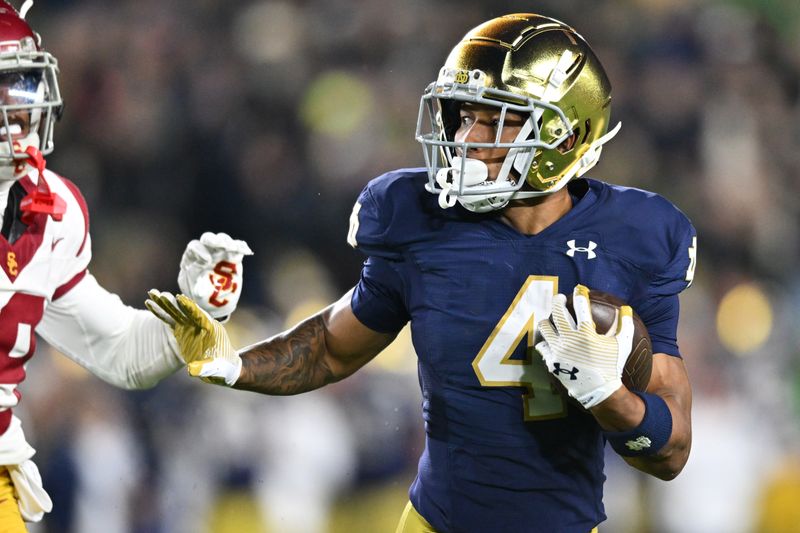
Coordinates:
<point>558,370</point>
<point>588,250</point>
<point>639,444</point>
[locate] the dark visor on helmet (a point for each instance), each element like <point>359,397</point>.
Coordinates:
<point>20,87</point>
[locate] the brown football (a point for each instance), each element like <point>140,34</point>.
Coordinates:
<point>636,374</point>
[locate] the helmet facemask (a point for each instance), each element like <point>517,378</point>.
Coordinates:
<point>446,166</point>
<point>30,103</point>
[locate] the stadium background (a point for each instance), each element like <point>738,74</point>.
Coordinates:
<point>265,118</point>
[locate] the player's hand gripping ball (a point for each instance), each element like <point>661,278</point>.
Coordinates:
<point>605,313</point>
<point>593,343</point>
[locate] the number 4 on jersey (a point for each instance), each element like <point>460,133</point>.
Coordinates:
<point>494,365</point>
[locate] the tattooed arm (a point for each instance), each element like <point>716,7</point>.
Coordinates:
<point>322,349</point>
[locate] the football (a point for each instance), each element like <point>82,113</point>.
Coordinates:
<point>636,374</point>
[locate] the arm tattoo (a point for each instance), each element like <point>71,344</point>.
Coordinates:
<point>290,363</point>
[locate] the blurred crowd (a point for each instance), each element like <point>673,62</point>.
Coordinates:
<point>265,118</point>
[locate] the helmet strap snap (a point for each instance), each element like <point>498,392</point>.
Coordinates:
<point>41,200</point>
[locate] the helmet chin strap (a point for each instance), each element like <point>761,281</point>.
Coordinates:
<point>41,200</point>
<point>17,168</point>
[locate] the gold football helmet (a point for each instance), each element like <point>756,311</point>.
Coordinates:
<point>526,64</point>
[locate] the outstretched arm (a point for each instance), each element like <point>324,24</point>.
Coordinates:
<point>128,347</point>
<point>322,349</point>
<point>123,346</point>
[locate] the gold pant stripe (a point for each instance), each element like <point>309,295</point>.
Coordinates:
<point>10,519</point>
<point>412,522</point>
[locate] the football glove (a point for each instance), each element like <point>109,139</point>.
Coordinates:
<point>211,273</point>
<point>32,499</point>
<point>587,363</point>
<point>203,341</point>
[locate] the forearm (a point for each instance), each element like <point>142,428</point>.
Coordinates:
<point>670,460</point>
<point>143,357</point>
<point>624,411</point>
<point>322,349</point>
<point>123,346</point>
<point>289,363</point>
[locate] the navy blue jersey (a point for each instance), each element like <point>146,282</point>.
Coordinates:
<point>505,450</point>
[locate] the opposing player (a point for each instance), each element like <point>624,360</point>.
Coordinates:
<point>518,115</point>
<point>45,285</point>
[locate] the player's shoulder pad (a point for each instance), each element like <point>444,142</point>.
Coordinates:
<point>390,213</point>
<point>652,233</point>
<point>75,223</point>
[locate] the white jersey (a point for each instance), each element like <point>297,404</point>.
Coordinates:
<point>42,264</point>
<point>45,288</point>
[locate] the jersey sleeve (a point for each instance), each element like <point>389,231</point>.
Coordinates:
<point>75,252</point>
<point>370,226</point>
<point>390,215</point>
<point>660,315</point>
<point>378,299</point>
<point>678,271</point>
<point>377,229</point>
<point>661,309</point>
<point>126,347</point>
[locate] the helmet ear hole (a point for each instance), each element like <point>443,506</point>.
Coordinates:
<point>570,142</point>
<point>587,130</point>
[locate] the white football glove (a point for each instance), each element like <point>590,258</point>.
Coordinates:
<point>211,273</point>
<point>588,364</point>
<point>33,500</point>
<point>203,341</point>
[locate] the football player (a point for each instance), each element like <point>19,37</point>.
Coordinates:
<point>45,285</point>
<point>476,251</point>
